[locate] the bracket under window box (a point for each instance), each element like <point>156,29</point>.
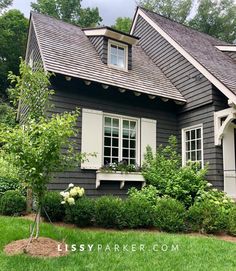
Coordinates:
<point>119,176</point>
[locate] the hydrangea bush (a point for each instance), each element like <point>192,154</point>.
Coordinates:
<point>71,194</point>
<point>216,197</point>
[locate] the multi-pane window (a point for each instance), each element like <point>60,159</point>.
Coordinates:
<point>117,55</point>
<point>120,140</point>
<point>193,145</point>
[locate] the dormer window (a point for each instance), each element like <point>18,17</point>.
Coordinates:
<point>114,47</point>
<point>117,55</point>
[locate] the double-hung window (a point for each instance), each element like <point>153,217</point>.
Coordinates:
<point>120,139</point>
<point>117,55</point>
<point>192,144</point>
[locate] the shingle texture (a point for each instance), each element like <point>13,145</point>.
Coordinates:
<point>65,49</point>
<point>201,47</point>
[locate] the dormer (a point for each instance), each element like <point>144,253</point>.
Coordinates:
<point>114,47</point>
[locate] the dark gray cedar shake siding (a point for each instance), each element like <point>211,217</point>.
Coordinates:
<point>202,99</point>
<point>70,95</point>
<point>101,45</point>
<point>37,62</point>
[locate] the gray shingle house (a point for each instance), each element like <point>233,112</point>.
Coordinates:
<point>136,90</point>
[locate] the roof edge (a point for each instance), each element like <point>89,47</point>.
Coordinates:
<point>214,80</point>
<point>111,33</point>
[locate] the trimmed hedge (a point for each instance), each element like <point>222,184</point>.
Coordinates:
<point>109,212</point>
<point>12,203</point>
<point>138,213</point>
<point>206,217</point>
<point>82,213</point>
<point>169,215</point>
<point>232,221</point>
<point>54,208</point>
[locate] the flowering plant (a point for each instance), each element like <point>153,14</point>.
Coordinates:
<point>216,197</point>
<point>122,166</point>
<point>71,194</point>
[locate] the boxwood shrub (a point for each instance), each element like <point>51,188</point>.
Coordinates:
<point>54,208</point>
<point>12,203</point>
<point>82,213</point>
<point>169,215</point>
<point>138,213</point>
<point>232,221</point>
<point>206,217</point>
<point>109,212</point>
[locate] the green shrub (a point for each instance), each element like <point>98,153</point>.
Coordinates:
<point>206,217</point>
<point>109,212</point>
<point>149,193</point>
<point>12,203</point>
<point>169,215</point>
<point>7,168</point>
<point>164,171</point>
<point>82,213</point>
<point>9,184</point>
<point>219,198</point>
<point>52,205</point>
<point>138,213</point>
<point>162,165</point>
<point>232,221</point>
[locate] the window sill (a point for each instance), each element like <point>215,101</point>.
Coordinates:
<point>119,176</point>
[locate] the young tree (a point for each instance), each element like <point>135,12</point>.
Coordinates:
<point>177,10</point>
<point>43,145</point>
<point>123,24</point>
<point>69,11</point>
<point>13,35</point>
<point>216,18</point>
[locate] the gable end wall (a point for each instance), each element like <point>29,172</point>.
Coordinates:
<point>196,89</point>
<point>202,99</point>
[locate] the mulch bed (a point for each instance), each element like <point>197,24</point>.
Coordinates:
<point>42,247</point>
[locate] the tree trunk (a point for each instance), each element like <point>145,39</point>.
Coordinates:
<point>38,222</point>
<point>29,200</point>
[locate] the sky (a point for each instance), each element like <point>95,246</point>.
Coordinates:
<point>109,9</point>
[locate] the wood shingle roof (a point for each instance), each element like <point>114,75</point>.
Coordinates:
<point>65,49</point>
<point>201,47</point>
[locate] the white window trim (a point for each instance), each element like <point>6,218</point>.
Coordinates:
<point>126,48</point>
<point>184,130</point>
<point>138,140</point>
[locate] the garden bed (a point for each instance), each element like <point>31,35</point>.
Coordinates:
<point>42,247</point>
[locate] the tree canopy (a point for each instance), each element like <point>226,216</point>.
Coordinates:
<point>177,10</point>
<point>13,35</point>
<point>123,24</point>
<point>69,11</point>
<point>4,4</point>
<point>214,17</point>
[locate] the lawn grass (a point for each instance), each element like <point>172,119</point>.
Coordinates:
<point>194,253</point>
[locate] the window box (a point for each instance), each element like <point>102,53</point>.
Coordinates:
<point>119,176</point>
